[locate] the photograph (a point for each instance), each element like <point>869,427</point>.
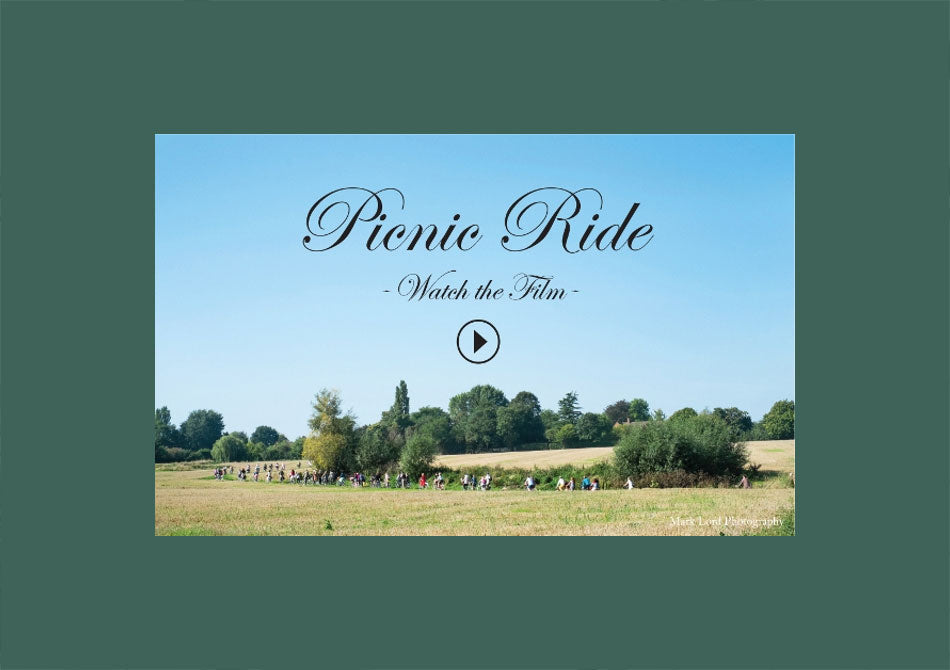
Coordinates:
<point>474,335</point>
<point>500,310</point>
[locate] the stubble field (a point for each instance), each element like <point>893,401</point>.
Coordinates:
<point>191,502</point>
<point>778,455</point>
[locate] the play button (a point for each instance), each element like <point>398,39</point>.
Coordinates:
<point>472,338</point>
<point>478,340</point>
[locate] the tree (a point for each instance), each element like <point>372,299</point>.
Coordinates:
<point>474,417</point>
<point>332,442</point>
<point>163,416</point>
<point>418,454</point>
<point>549,419</point>
<point>658,415</point>
<point>481,429</point>
<point>282,449</point>
<point>511,424</point>
<point>435,421</point>
<point>327,415</point>
<point>398,415</point>
<point>639,410</point>
<point>593,428</point>
<point>258,452</point>
<point>568,410</point>
<point>166,435</point>
<point>529,401</point>
<point>685,413</point>
<point>779,422</point>
<point>374,452</point>
<point>618,412</point>
<point>520,422</point>
<point>396,421</point>
<point>735,417</point>
<point>757,432</point>
<point>202,429</point>
<point>240,434</point>
<point>329,451</point>
<point>566,435</point>
<point>229,448</point>
<point>265,435</point>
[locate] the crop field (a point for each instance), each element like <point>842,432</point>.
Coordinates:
<point>548,458</point>
<point>778,455</point>
<point>192,502</point>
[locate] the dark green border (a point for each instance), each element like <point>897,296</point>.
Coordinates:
<point>862,85</point>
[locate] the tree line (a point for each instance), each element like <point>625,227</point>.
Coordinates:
<point>478,420</point>
<point>201,436</point>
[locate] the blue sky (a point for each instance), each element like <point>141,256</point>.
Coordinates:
<point>251,324</point>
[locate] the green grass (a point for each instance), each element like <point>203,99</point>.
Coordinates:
<point>191,530</point>
<point>785,525</point>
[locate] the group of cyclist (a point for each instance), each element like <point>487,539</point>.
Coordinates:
<point>271,472</point>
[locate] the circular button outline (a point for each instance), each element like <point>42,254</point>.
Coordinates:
<point>458,343</point>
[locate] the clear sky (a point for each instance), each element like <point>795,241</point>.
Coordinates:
<point>251,324</point>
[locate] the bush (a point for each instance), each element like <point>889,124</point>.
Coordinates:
<point>618,431</point>
<point>680,479</point>
<point>174,454</point>
<point>703,444</point>
<point>200,455</point>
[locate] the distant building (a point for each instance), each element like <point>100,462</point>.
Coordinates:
<point>628,422</point>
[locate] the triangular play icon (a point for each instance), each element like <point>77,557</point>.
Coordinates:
<point>479,341</point>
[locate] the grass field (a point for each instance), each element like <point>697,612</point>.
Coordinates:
<point>191,502</point>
